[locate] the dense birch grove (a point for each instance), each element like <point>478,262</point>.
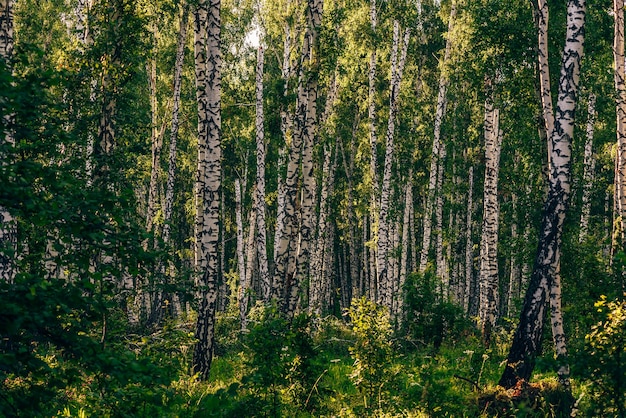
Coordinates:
<point>179,165</point>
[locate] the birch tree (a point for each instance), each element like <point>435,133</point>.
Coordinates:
<point>208,62</point>
<point>620,105</point>
<point>588,168</point>
<point>397,67</point>
<point>8,232</point>
<point>435,163</point>
<point>526,343</point>
<point>259,203</point>
<point>489,295</point>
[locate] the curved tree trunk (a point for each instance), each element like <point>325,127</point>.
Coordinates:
<point>526,345</point>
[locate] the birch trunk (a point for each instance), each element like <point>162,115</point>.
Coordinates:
<point>469,245</point>
<point>155,138</point>
<point>439,262</point>
<point>207,28</point>
<point>265,280</point>
<point>526,345</point>
<point>404,256</point>
<point>382,255</point>
<point>488,306</point>
<point>8,224</point>
<point>245,285</point>
<point>371,111</point>
<point>436,150</point>
<point>306,113</point>
<point>620,104</point>
<point>241,256</point>
<point>589,163</point>
<point>514,274</point>
<point>171,172</point>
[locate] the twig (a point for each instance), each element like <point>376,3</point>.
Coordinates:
<point>468,381</point>
<point>314,388</point>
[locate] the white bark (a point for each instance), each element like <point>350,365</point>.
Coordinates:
<point>8,227</point>
<point>469,245</point>
<point>406,228</point>
<point>397,68</point>
<point>264,273</point>
<point>620,104</point>
<point>207,29</point>
<point>437,148</point>
<point>545,276</point>
<point>589,163</point>
<point>488,306</point>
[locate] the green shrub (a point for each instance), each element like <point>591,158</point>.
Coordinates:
<point>372,350</point>
<point>430,318</point>
<point>607,350</point>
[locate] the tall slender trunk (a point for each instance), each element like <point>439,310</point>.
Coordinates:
<point>155,138</point>
<point>245,284</point>
<point>168,203</point>
<point>264,273</point>
<point>406,228</point>
<point>526,345</point>
<point>589,163</point>
<point>620,105</point>
<point>371,111</point>
<point>436,149</point>
<point>8,224</point>
<point>207,29</point>
<point>306,114</point>
<point>397,68</point>
<point>171,172</point>
<point>469,245</point>
<point>241,256</point>
<point>356,272</point>
<point>439,262</point>
<point>488,307</point>
<point>514,261</point>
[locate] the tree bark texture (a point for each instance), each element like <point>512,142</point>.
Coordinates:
<point>620,104</point>
<point>526,345</point>
<point>489,296</point>
<point>208,61</point>
<point>382,255</point>
<point>265,279</point>
<point>469,245</point>
<point>8,228</point>
<point>589,163</point>
<point>436,150</point>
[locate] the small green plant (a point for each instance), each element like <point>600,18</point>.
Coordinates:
<point>279,354</point>
<point>372,351</point>
<point>607,350</point>
<point>429,317</point>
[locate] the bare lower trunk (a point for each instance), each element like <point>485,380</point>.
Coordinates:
<point>488,307</point>
<point>469,245</point>
<point>207,28</point>
<point>589,168</point>
<point>265,279</point>
<point>406,227</point>
<point>397,67</point>
<point>620,104</point>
